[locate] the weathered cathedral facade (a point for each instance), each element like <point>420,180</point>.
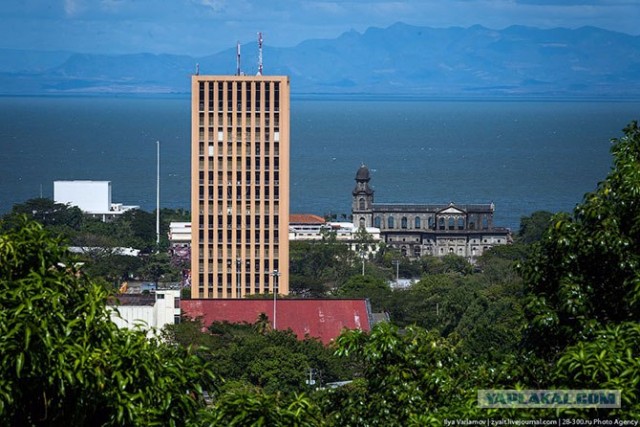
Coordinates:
<point>437,230</point>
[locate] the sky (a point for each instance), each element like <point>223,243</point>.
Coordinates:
<point>204,27</point>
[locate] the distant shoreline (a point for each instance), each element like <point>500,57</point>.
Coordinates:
<point>352,97</point>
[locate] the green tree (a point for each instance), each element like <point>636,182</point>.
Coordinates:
<point>437,301</point>
<point>375,289</point>
<point>392,260</point>
<point>113,268</point>
<point>491,327</point>
<point>317,267</point>
<point>449,263</point>
<point>364,241</point>
<point>158,266</point>
<point>585,272</point>
<point>63,362</point>
<point>243,405</point>
<point>406,376</point>
<point>188,333</point>
<point>57,216</point>
<point>499,264</point>
<point>140,226</point>
<point>609,360</point>
<point>532,227</point>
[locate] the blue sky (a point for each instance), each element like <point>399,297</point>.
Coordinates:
<point>202,27</point>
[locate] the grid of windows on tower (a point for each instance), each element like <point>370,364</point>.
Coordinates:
<point>238,223</point>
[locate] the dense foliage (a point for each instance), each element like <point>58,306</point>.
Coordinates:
<point>134,229</point>
<point>63,362</point>
<point>558,309</point>
<point>585,272</point>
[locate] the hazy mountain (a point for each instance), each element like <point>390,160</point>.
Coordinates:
<point>399,60</point>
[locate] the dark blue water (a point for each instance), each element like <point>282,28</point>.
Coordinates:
<point>523,156</point>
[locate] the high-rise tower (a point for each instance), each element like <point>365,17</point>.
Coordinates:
<point>239,185</point>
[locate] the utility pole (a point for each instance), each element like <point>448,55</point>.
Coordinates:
<point>158,195</point>
<point>276,275</point>
<point>396,262</point>
<point>238,287</point>
<point>311,381</point>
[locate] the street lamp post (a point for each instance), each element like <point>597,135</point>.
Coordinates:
<point>397,264</point>
<point>276,275</point>
<point>238,289</point>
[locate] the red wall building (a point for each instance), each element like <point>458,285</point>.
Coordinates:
<point>319,318</point>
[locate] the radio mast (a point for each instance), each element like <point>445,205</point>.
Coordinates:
<point>260,54</point>
<point>238,72</point>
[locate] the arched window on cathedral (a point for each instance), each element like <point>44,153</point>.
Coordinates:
<point>404,222</point>
<point>460,223</point>
<point>451,223</point>
<point>416,251</point>
<point>390,222</point>
<point>417,224</point>
<point>361,204</point>
<point>362,223</point>
<point>441,223</point>
<point>377,222</point>
<point>430,222</point>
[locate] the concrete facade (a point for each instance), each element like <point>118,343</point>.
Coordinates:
<point>151,311</point>
<point>239,185</point>
<point>92,197</point>
<point>180,233</point>
<point>431,229</point>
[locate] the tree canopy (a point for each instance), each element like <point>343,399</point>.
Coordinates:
<point>63,362</point>
<point>585,272</point>
<point>560,309</point>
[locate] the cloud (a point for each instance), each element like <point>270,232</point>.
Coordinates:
<point>111,5</point>
<point>214,5</point>
<point>73,7</point>
<point>561,2</point>
<point>204,26</point>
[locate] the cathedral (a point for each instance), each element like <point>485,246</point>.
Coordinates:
<point>417,230</point>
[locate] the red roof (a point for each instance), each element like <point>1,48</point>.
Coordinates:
<point>306,219</point>
<point>319,318</point>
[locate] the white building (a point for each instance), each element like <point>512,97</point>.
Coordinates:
<point>313,227</point>
<point>180,233</point>
<point>150,311</point>
<point>92,197</point>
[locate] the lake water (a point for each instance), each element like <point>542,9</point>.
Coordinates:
<point>522,155</point>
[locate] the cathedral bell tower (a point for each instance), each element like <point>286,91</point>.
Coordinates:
<point>362,205</point>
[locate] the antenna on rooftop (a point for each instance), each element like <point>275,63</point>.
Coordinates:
<point>259,53</point>
<point>238,72</point>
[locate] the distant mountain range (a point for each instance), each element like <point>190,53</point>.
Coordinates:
<point>400,60</point>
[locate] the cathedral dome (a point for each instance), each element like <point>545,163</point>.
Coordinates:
<point>363,174</point>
